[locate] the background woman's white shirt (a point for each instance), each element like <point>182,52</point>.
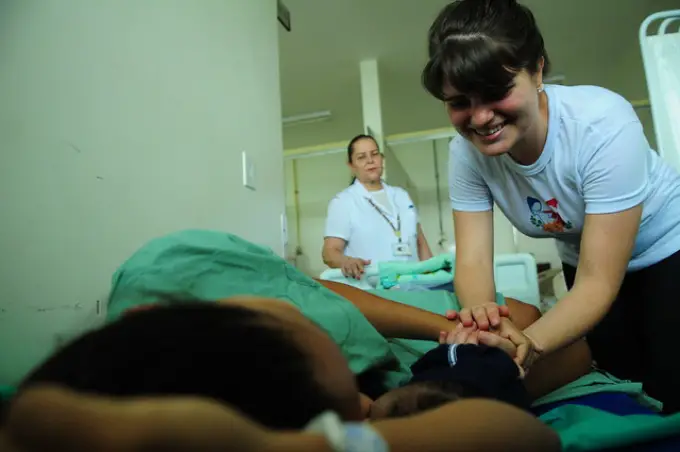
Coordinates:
<point>351,217</point>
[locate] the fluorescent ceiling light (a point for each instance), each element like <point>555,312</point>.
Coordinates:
<point>306,118</point>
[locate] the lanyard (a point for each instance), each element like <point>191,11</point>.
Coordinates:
<point>397,228</point>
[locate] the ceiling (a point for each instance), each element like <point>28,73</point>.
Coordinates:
<point>589,41</point>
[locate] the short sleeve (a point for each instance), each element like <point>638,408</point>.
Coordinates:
<point>338,223</point>
<point>614,174</point>
<point>467,189</point>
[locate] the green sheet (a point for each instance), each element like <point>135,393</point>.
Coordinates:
<point>210,265</point>
<point>583,428</point>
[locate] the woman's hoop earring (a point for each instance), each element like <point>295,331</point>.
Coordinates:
<point>540,89</point>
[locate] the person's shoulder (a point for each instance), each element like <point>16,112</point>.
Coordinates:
<point>459,144</point>
<point>399,191</point>
<point>343,195</point>
<point>592,106</point>
<point>460,148</point>
<point>401,194</point>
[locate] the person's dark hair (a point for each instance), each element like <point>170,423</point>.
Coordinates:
<point>226,353</point>
<point>352,142</point>
<point>350,148</point>
<point>424,396</point>
<point>479,46</point>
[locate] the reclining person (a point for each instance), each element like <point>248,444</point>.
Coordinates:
<point>259,357</point>
<point>395,320</point>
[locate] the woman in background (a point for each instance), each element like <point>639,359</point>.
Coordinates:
<point>371,221</point>
<point>565,162</point>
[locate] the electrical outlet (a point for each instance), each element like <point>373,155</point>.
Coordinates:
<point>248,171</point>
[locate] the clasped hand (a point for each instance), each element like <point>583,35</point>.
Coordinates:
<point>490,324</point>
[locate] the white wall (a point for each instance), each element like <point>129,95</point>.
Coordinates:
<point>318,181</point>
<point>121,121</point>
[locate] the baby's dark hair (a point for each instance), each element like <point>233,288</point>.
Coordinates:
<point>479,46</point>
<point>415,398</point>
<point>227,353</point>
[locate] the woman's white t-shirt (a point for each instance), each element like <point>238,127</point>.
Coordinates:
<point>596,160</point>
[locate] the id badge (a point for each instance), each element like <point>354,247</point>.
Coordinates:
<point>401,249</point>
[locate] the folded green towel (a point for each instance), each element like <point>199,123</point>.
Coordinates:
<point>435,271</point>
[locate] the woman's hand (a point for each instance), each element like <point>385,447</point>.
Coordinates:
<point>528,351</point>
<point>507,337</point>
<point>473,335</point>
<point>485,316</point>
<point>353,267</point>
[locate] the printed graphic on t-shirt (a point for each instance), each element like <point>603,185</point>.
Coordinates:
<point>546,216</point>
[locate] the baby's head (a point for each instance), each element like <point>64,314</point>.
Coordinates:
<point>451,372</point>
<point>418,397</point>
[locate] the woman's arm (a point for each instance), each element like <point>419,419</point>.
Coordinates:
<point>334,256</point>
<point>333,252</point>
<point>472,205</point>
<point>474,258</point>
<point>557,369</point>
<point>393,319</point>
<point>53,419</point>
<point>57,419</point>
<point>614,172</point>
<point>424,251</point>
<point>465,426</point>
<point>606,246</point>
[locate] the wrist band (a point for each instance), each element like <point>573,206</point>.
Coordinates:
<point>347,436</point>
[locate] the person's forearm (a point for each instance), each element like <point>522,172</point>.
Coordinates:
<point>299,442</point>
<point>333,258</point>
<point>469,425</point>
<point>474,284</point>
<point>558,369</point>
<point>424,251</point>
<point>571,317</point>
<point>393,319</point>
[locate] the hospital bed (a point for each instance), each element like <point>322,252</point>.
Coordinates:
<point>208,265</point>
<point>660,47</point>
<point>515,275</point>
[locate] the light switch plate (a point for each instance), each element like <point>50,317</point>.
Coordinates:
<point>248,171</point>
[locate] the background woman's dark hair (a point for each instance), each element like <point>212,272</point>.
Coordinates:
<point>478,46</point>
<point>350,148</point>
<point>230,354</point>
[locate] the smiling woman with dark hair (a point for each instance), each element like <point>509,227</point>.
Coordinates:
<point>565,162</point>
